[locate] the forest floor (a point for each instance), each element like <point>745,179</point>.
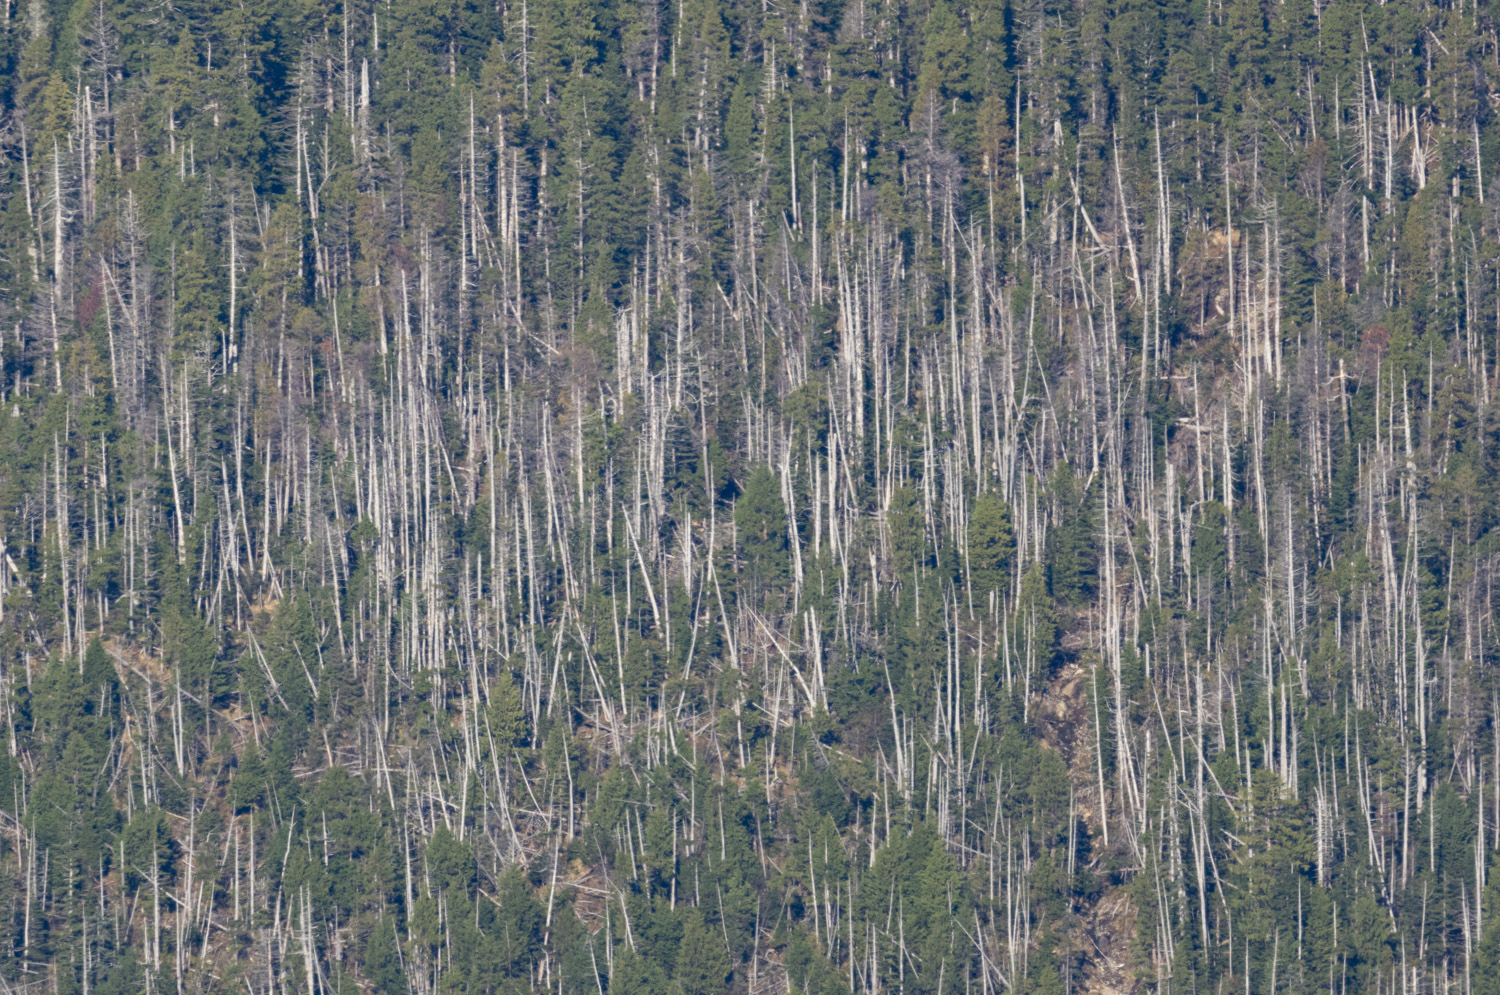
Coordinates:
<point>1104,927</point>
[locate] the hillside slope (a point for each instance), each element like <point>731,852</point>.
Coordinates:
<point>616,496</point>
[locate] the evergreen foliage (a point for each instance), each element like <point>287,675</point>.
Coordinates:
<point>617,496</point>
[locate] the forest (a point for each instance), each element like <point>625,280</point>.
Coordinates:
<point>609,497</point>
